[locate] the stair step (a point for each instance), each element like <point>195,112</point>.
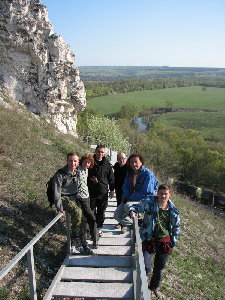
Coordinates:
<point>109,214</point>
<point>110,230</point>
<point>113,234</point>
<point>100,261</point>
<point>97,274</point>
<point>111,208</point>
<point>107,250</point>
<point>112,204</point>
<point>115,241</point>
<point>110,227</point>
<point>94,290</point>
<point>113,250</point>
<point>110,222</point>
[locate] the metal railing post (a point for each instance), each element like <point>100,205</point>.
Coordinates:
<point>141,280</point>
<point>68,230</point>
<point>28,250</point>
<point>31,274</point>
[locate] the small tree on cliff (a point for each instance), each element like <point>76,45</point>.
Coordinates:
<point>103,130</point>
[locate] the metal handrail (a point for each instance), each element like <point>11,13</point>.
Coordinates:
<point>140,284</point>
<point>30,258</point>
<point>140,280</point>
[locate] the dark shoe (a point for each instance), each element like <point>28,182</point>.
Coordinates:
<point>123,229</point>
<point>95,245</point>
<point>78,245</point>
<point>80,249</point>
<point>100,232</point>
<point>88,251</point>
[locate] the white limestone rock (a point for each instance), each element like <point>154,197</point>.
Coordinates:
<point>37,66</point>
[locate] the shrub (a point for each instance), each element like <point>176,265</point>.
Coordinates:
<point>105,131</point>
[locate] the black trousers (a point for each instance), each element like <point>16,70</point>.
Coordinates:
<point>119,194</point>
<point>84,203</point>
<point>98,206</point>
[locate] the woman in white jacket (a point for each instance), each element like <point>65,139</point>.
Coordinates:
<point>86,162</point>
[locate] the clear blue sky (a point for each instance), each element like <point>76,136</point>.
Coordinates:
<point>178,33</point>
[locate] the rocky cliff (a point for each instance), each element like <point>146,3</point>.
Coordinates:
<point>37,66</point>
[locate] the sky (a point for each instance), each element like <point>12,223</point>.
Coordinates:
<point>175,33</point>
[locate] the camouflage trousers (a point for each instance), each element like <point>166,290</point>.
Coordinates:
<point>78,221</point>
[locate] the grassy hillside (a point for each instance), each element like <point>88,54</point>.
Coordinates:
<point>193,97</point>
<point>31,150</point>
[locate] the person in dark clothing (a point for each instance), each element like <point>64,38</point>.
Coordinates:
<point>86,162</point>
<point>120,171</point>
<point>100,180</point>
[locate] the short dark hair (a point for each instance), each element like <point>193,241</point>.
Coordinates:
<point>87,156</point>
<point>71,154</point>
<point>136,155</point>
<point>99,147</point>
<point>164,187</point>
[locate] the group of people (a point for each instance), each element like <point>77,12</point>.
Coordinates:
<point>83,188</point>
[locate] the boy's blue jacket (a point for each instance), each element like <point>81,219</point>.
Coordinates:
<point>150,209</point>
<point>146,186</point>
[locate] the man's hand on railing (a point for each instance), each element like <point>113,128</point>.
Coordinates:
<point>133,214</point>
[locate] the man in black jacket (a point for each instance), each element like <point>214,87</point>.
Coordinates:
<point>120,172</point>
<point>100,180</point>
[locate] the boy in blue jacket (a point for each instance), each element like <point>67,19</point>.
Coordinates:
<point>159,231</point>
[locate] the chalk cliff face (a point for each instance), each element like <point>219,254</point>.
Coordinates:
<point>37,66</point>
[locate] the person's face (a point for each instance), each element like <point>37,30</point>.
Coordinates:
<point>100,153</point>
<point>86,163</point>
<point>72,162</point>
<point>122,159</point>
<point>163,195</point>
<point>135,164</point>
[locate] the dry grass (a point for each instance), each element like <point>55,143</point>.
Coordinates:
<point>31,150</point>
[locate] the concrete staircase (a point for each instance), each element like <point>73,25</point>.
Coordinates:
<point>106,275</point>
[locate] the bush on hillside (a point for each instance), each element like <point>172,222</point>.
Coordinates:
<point>103,130</point>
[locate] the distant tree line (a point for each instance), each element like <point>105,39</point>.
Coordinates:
<point>103,88</point>
<point>113,73</point>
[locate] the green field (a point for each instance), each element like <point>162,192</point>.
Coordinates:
<point>210,125</point>
<point>193,97</point>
